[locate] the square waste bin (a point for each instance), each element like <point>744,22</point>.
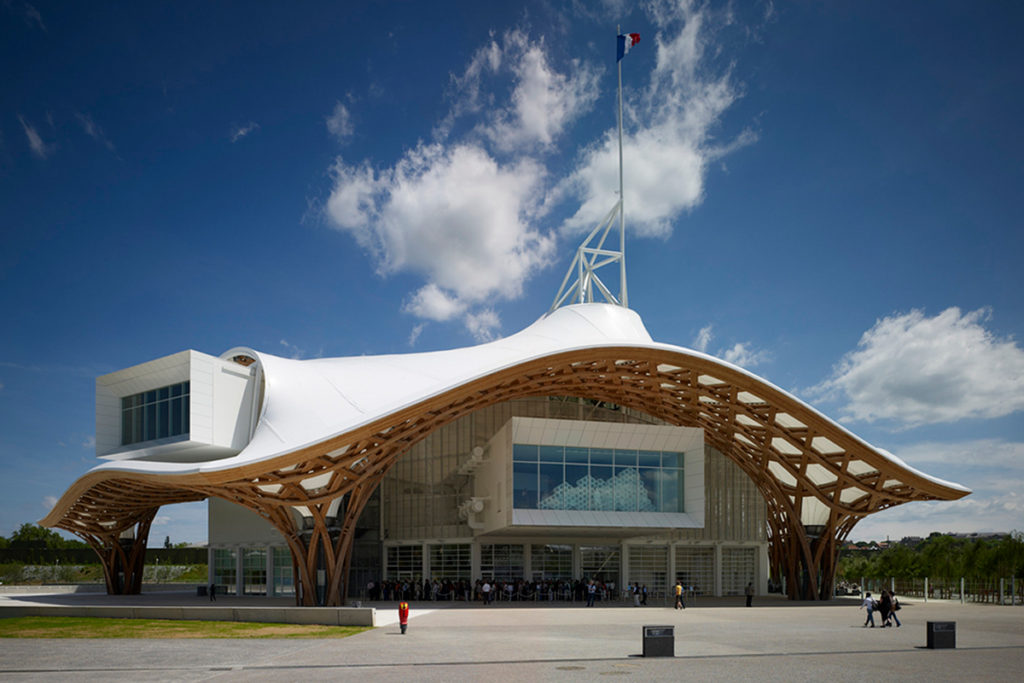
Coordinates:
<point>941,635</point>
<point>659,641</point>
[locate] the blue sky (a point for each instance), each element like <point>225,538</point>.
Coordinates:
<point>827,194</point>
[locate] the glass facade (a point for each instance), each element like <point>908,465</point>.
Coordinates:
<point>737,569</point>
<point>648,566</point>
<point>405,562</point>
<point>695,568</point>
<point>254,571</point>
<point>284,580</point>
<point>551,562</point>
<point>596,479</point>
<point>156,414</point>
<point>500,562</point>
<point>451,561</point>
<point>225,570</point>
<point>600,563</point>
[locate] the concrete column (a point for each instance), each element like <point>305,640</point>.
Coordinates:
<point>474,561</point>
<point>424,563</point>
<point>670,588</point>
<point>624,578</point>
<point>528,561</point>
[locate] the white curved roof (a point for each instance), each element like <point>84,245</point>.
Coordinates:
<point>311,402</point>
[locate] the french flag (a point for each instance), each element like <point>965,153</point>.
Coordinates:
<point>625,42</point>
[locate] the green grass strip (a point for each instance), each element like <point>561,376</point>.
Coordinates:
<point>99,627</point>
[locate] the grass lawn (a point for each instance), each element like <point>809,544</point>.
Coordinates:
<point>93,627</point>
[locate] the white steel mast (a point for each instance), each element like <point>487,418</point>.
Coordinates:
<point>592,253</point>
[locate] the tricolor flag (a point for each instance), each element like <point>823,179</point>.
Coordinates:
<point>625,42</point>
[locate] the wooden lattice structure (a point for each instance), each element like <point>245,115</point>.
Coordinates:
<point>817,478</point>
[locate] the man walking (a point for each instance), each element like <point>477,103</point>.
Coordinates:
<point>749,592</point>
<point>679,595</point>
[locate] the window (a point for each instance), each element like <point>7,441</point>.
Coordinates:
<point>695,568</point>
<point>156,414</point>
<point>450,561</point>
<point>600,563</point>
<point>225,570</point>
<point>405,562</point>
<point>599,479</point>
<point>501,562</point>
<point>551,562</point>
<point>737,569</point>
<point>648,566</point>
<point>284,581</point>
<point>254,571</point>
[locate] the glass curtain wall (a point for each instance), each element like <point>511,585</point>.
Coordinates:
<point>737,569</point>
<point>597,479</point>
<point>284,579</point>
<point>225,570</point>
<point>450,561</point>
<point>405,562</point>
<point>600,563</point>
<point>501,562</point>
<point>551,562</point>
<point>648,565</point>
<point>695,568</point>
<point>254,571</point>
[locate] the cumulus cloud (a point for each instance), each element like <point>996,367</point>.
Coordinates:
<point>915,370</point>
<point>39,147</point>
<point>239,132</point>
<point>668,140</point>
<point>483,325</point>
<point>339,123</point>
<point>466,209</point>
<point>453,214</point>
<point>742,354</point>
<point>49,502</point>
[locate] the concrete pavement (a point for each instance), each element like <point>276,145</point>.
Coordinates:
<point>721,639</point>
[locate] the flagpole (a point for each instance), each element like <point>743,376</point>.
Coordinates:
<point>622,213</point>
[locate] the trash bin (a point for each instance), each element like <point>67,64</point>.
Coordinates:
<point>200,591</point>
<point>941,635</point>
<point>659,641</point>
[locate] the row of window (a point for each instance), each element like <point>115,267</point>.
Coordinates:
<point>577,455</point>
<point>156,414</point>
<point>582,479</point>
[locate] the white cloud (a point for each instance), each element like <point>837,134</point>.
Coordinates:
<point>742,354</point>
<point>703,338</point>
<point>543,102</point>
<point>93,130</point>
<point>339,123</point>
<point>162,520</point>
<point>89,441</point>
<point>668,141</point>
<point>994,453</point>
<point>239,132</point>
<point>32,16</point>
<point>38,146</point>
<point>455,215</point>
<point>417,330</point>
<point>465,211</point>
<point>915,370</point>
<point>432,303</point>
<point>49,502</point>
<point>483,325</point>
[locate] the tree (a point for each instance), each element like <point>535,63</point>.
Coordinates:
<point>167,542</point>
<point>35,536</point>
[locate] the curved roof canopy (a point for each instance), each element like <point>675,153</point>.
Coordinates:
<point>328,425</point>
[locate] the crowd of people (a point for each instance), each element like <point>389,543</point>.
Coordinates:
<point>487,592</point>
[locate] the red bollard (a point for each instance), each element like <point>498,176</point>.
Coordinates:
<point>403,615</point>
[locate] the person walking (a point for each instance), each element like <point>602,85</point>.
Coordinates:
<point>679,596</point>
<point>591,593</point>
<point>213,592</point>
<point>869,605</point>
<point>749,592</point>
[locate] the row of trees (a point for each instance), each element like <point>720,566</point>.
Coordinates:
<point>38,537</point>
<point>938,557</point>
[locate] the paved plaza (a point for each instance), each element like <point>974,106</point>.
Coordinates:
<point>716,639</point>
